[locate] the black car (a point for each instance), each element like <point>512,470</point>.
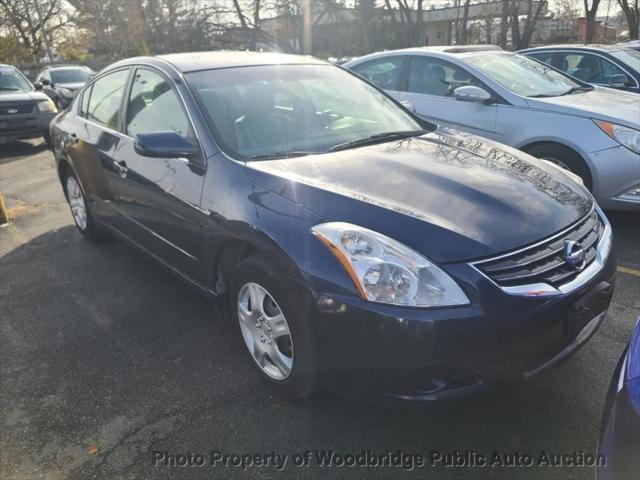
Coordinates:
<point>24,111</point>
<point>614,66</point>
<point>353,242</point>
<point>61,82</point>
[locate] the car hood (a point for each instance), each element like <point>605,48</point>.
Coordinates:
<point>448,195</point>
<point>70,86</point>
<point>600,103</point>
<point>22,97</point>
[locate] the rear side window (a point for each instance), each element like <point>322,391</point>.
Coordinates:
<point>154,106</point>
<point>384,72</point>
<point>106,95</point>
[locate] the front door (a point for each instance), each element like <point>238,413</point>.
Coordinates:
<point>159,198</point>
<point>429,88</point>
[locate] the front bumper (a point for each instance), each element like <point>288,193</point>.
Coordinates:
<point>431,354</point>
<point>616,172</point>
<point>24,126</point>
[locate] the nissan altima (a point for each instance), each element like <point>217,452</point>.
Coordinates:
<point>353,241</point>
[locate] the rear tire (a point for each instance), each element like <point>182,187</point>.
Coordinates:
<point>292,371</point>
<point>565,158</point>
<point>80,209</point>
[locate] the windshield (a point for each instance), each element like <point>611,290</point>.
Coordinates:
<point>280,109</point>
<point>523,76</point>
<point>628,57</point>
<point>71,75</point>
<point>11,80</point>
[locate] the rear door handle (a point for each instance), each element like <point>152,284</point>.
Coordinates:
<point>121,166</point>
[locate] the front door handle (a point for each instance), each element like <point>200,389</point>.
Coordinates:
<point>121,166</point>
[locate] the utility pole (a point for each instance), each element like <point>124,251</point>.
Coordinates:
<point>306,16</point>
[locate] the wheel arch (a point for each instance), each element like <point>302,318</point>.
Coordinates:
<point>527,147</point>
<point>248,240</point>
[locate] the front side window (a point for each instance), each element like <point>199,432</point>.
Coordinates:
<point>106,95</point>
<point>522,75</point>
<point>271,109</point>
<point>384,72</point>
<point>154,106</point>
<point>544,57</point>
<point>589,68</point>
<point>11,80</point>
<point>84,106</point>
<point>431,76</point>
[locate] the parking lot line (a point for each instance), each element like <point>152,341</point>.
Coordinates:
<point>630,271</point>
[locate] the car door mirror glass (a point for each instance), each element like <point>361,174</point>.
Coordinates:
<point>471,93</point>
<point>618,81</point>
<point>164,145</point>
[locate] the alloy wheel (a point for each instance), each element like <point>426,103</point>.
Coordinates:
<point>265,331</point>
<point>76,202</point>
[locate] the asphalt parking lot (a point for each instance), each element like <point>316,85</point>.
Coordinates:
<point>105,358</point>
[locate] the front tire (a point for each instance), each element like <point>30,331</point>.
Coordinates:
<point>274,331</point>
<point>80,209</point>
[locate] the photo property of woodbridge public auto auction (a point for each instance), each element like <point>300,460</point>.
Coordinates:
<point>320,239</point>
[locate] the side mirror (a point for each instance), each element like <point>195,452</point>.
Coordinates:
<point>46,82</point>
<point>164,145</point>
<point>408,105</point>
<point>471,93</point>
<point>618,81</point>
<point>37,86</point>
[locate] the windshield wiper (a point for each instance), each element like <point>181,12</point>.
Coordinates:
<point>276,155</point>
<point>577,89</point>
<point>378,138</point>
<point>12,89</point>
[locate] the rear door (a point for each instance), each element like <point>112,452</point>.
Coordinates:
<point>159,198</point>
<point>429,87</point>
<point>92,138</point>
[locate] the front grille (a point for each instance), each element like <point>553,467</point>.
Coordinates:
<point>544,262</point>
<point>11,109</point>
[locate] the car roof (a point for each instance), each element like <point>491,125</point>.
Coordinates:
<point>577,46</point>
<point>193,61</point>
<point>60,67</point>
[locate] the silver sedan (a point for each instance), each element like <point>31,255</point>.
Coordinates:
<point>592,131</point>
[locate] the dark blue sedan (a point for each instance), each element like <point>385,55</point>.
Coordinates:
<point>620,434</point>
<point>615,66</point>
<point>351,240</point>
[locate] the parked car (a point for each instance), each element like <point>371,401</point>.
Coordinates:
<point>61,82</point>
<point>591,131</point>
<point>352,239</point>
<point>632,44</point>
<point>612,66</point>
<point>24,112</point>
<point>620,433</point>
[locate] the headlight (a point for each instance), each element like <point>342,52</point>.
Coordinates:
<point>387,271</point>
<point>65,92</point>
<point>47,106</point>
<point>628,137</point>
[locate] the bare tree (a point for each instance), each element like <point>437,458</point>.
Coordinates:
<point>522,38</point>
<point>590,10</point>
<point>632,14</point>
<point>35,22</point>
